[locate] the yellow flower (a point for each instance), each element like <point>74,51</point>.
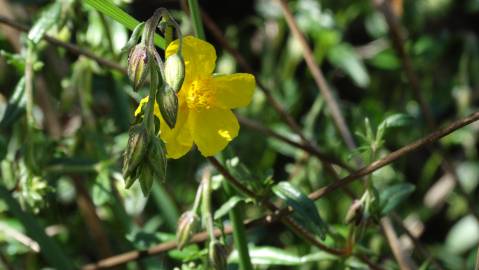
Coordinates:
<point>205,102</point>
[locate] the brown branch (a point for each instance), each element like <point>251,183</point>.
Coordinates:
<point>306,147</point>
<point>318,77</point>
<point>388,159</point>
<point>424,252</point>
<point>403,259</point>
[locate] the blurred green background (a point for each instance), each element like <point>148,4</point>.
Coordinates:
<point>61,176</point>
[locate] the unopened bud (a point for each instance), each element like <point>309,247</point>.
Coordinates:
<point>188,224</point>
<point>218,256</point>
<point>157,158</point>
<point>355,212</point>
<point>146,178</point>
<point>138,67</point>
<point>167,100</point>
<point>175,71</point>
<point>135,152</point>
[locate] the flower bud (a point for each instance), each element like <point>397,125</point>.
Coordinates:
<point>157,158</point>
<point>138,66</point>
<point>175,71</point>
<point>188,224</point>
<point>146,178</point>
<point>218,256</point>
<point>135,152</point>
<point>355,212</point>
<point>167,100</point>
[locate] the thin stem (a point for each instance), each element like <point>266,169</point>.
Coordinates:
<point>196,19</point>
<point>206,204</point>
<point>239,235</point>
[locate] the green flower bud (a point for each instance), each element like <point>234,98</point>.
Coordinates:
<point>146,178</point>
<point>137,145</point>
<point>167,100</point>
<point>138,66</point>
<point>157,158</point>
<point>218,256</point>
<point>188,224</point>
<point>175,71</point>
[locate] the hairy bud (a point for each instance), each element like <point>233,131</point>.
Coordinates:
<point>175,71</point>
<point>138,66</point>
<point>167,100</point>
<point>137,145</point>
<point>188,224</point>
<point>218,256</point>
<point>157,158</point>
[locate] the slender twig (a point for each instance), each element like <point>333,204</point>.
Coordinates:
<point>404,261</point>
<point>423,250</point>
<point>306,147</point>
<point>391,157</point>
<point>318,76</point>
<point>285,219</point>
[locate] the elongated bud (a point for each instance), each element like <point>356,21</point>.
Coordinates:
<point>188,224</point>
<point>135,152</point>
<point>175,71</point>
<point>157,158</point>
<point>355,212</point>
<point>138,66</point>
<point>134,37</point>
<point>147,176</point>
<point>217,255</point>
<point>167,100</point>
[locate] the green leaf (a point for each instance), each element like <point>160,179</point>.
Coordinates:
<point>227,206</point>
<point>53,254</point>
<point>393,195</point>
<point>304,208</point>
<point>47,20</point>
<point>276,256</point>
<point>111,10</point>
<point>16,105</point>
<point>344,57</point>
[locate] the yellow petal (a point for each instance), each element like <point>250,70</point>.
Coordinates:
<point>232,91</point>
<point>199,57</point>
<point>213,129</point>
<point>178,141</point>
<point>143,103</point>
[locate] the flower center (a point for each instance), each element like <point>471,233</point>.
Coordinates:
<point>199,95</point>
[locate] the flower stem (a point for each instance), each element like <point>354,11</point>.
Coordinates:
<point>196,19</point>
<point>206,205</point>
<point>239,234</point>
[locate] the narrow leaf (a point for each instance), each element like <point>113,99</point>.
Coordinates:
<point>303,206</point>
<point>392,196</point>
<point>111,10</point>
